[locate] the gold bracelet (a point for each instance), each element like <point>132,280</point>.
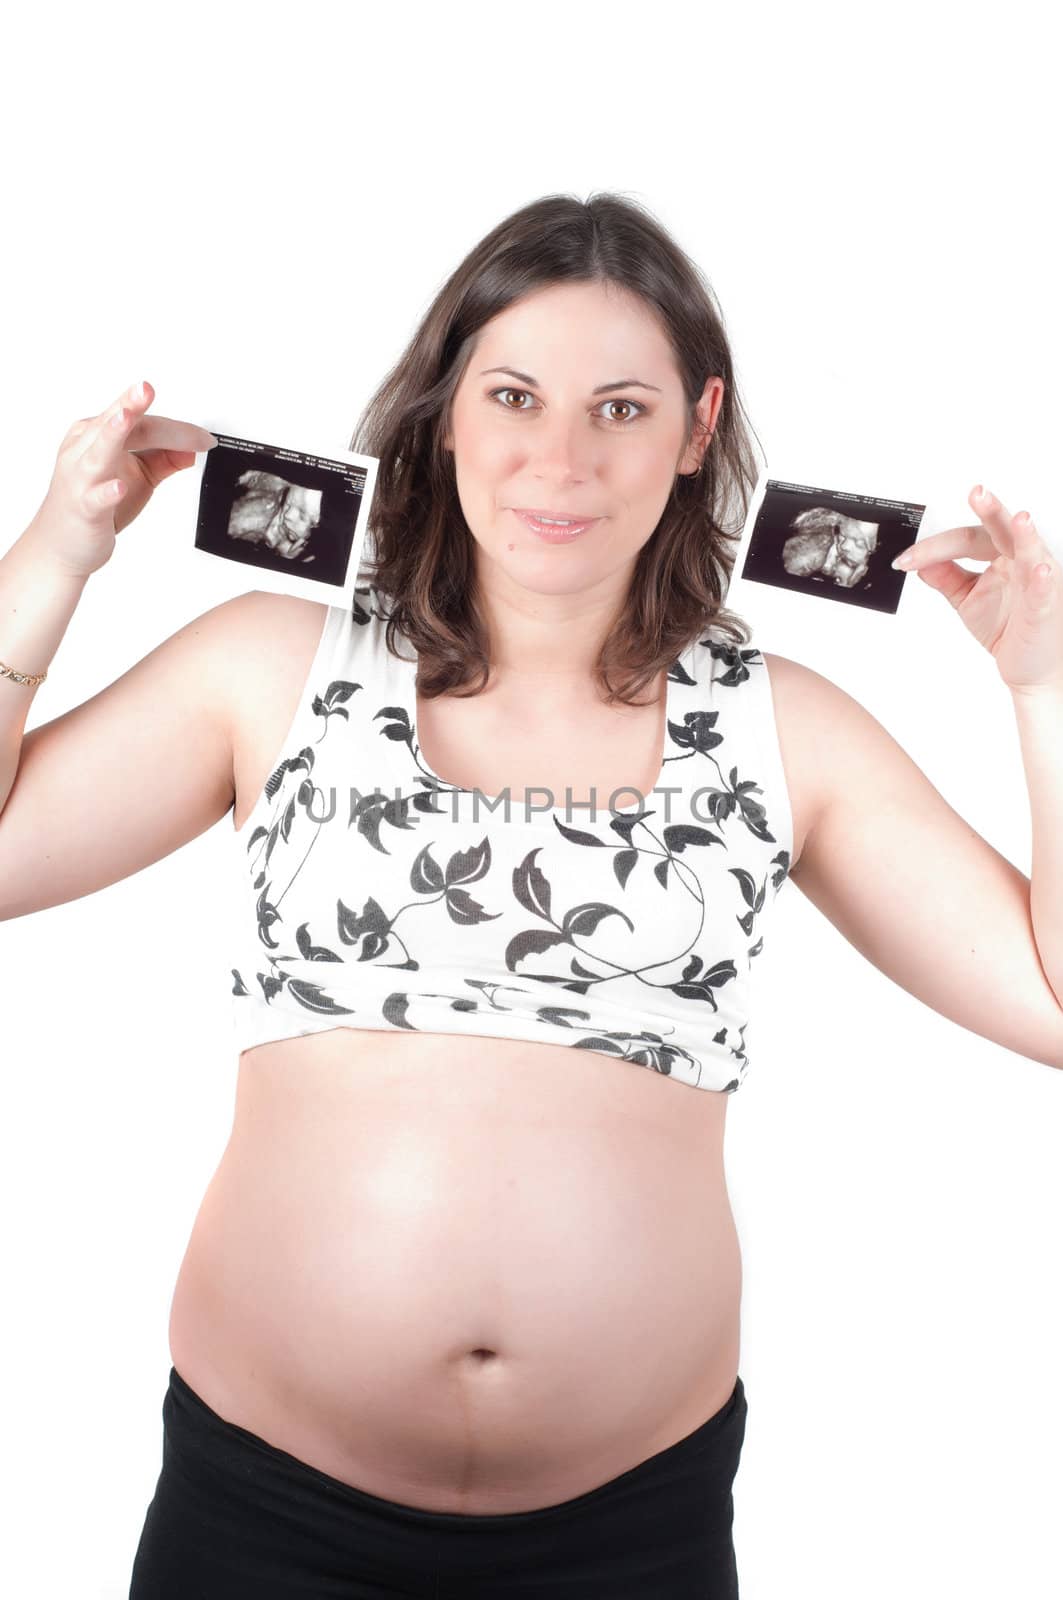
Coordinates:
<point>31,678</point>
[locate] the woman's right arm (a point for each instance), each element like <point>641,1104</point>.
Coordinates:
<point>146,764</point>
<point>37,600</point>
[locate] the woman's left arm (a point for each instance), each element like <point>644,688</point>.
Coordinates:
<point>1015,610</point>
<point>1040,719</point>
<point>901,875</point>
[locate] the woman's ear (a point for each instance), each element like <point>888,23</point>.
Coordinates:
<point>706,414</point>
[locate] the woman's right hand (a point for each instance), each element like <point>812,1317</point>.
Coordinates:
<point>106,471</point>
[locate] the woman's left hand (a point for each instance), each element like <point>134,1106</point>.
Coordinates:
<point>1015,607</point>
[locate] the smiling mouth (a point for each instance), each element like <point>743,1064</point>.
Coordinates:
<point>554,530</point>
<point>552,516</point>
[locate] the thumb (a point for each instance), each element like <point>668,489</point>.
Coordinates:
<point>949,579</point>
<point>166,462</point>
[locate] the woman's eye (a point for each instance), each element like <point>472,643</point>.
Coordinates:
<point>616,422</point>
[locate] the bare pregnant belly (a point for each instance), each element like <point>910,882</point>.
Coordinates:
<point>470,1275</point>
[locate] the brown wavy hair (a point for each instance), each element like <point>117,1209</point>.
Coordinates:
<point>419,552</point>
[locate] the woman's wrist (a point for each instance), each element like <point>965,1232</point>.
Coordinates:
<point>38,596</point>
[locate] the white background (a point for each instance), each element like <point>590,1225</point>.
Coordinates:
<point>251,207</point>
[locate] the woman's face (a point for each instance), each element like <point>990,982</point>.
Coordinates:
<point>538,437</point>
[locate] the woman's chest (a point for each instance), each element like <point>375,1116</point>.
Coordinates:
<point>578,752</point>
<point>612,756</point>
<point>547,754</point>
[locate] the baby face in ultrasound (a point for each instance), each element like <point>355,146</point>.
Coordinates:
<point>830,545</point>
<point>276,513</point>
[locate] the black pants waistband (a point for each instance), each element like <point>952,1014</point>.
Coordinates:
<point>235,1516</point>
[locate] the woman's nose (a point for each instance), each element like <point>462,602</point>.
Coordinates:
<point>566,443</point>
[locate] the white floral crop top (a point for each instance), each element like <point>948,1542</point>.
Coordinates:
<point>381,896</point>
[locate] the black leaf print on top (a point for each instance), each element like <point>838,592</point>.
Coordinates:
<point>464,910</point>
<point>330,704</point>
<point>362,614</point>
<point>693,987</point>
<point>623,862</point>
<point>753,814</point>
<point>681,834</point>
<point>394,1010</point>
<point>238,986</point>
<point>312,952</point>
<point>267,916</point>
<point>304,761</point>
<point>399,727</point>
<point>679,674</point>
<point>532,942</point>
<point>368,811</point>
<point>582,920</point>
<point>697,733</point>
<point>782,858</point>
<point>624,825</point>
<point>649,1051</point>
<point>314,998</point>
<point>530,885</point>
<point>372,928</point>
<point>676,839</point>
<point>558,1016</point>
<point>464,866</point>
<point>576,835</point>
<point>736,659</point>
<point>426,801</point>
<point>754,897</point>
<point>532,889</point>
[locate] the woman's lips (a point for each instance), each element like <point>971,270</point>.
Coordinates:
<point>550,533</point>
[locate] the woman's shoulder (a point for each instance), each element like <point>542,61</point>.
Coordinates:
<point>811,711</point>
<point>261,620</point>
<point>270,643</point>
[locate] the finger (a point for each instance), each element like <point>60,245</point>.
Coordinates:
<point>104,496</point>
<point>1030,549</point>
<point>106,441</point>
<point>134,400</point>
<point>971,541</point>
<point>142,436</point>
<point>78,428</point>
<point>162,464</point>
<point>954,582</point>
<point>997,519</point>
<point>168,433</point>
<point>1042,587</point>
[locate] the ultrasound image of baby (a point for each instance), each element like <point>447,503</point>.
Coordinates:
<point>830,545</point>
<point>276,513</point>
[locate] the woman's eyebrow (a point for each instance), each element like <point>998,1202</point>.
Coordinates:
<point>603,388</point>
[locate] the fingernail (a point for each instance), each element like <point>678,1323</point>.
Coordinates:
<point>903,560</point>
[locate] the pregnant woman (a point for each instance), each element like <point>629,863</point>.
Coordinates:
<point>459,1313</point>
